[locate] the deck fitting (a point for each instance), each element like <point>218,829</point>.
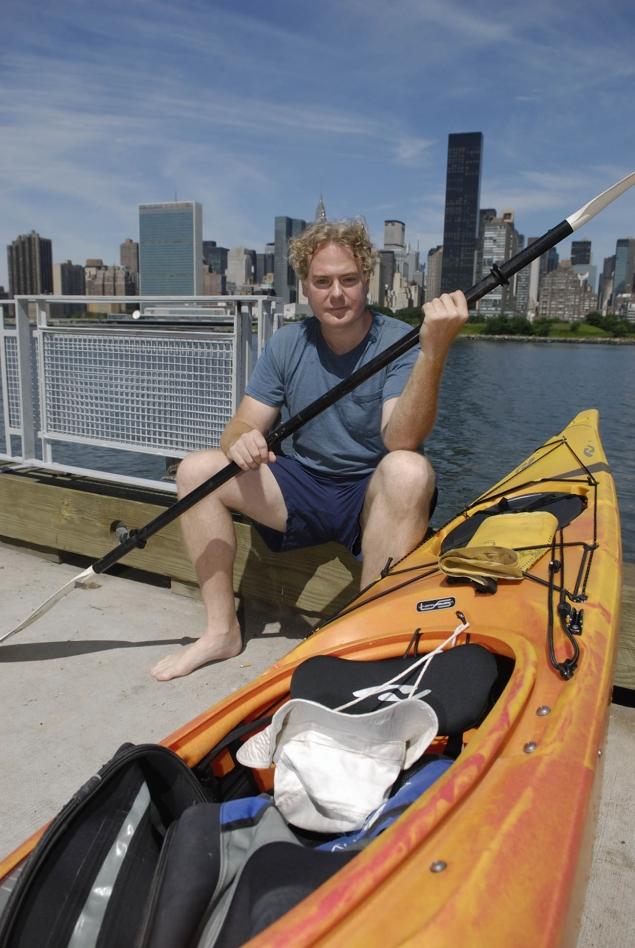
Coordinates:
<point>438,865</point>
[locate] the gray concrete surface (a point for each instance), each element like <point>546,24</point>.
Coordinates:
<point>76,685</point>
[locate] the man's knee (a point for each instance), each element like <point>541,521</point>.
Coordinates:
<point>196,468</point>
<point>408,475</point>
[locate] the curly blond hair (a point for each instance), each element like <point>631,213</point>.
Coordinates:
<point>350,233</point>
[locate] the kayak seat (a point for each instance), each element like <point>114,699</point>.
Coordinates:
<point>458,684</point>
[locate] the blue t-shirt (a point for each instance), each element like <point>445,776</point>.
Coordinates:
<point>297,367</point>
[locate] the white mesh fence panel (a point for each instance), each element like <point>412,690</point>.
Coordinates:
<point>159,392</point>
<point>12,381</point>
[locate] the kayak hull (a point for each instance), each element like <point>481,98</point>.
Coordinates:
<point>497,851</point>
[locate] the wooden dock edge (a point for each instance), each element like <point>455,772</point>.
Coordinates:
<point>76,515</point>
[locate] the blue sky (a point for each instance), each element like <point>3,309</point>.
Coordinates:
<point>255,108</point>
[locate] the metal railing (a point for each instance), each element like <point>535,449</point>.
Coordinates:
<point>148,376</point>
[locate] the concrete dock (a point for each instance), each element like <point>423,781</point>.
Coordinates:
<point>76,685</point>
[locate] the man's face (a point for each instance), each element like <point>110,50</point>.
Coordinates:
<point>335,287</point>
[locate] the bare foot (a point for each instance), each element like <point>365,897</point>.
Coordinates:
<point>208,648</point>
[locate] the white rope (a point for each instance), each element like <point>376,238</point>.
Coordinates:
<point>424,662</point>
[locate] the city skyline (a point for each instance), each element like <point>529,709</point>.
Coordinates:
<point>256,113</point>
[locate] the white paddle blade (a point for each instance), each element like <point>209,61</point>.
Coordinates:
<point>50,602</point>
<point>598,203</point>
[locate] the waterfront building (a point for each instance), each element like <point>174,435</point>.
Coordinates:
<point>565,295</point>
<point>387,269</point>
<point>30,265</point>
<point>265,265</point>
<point>285,282</point>
<point>241,267</point>
<point>605,284</point>
<point>129,258</point>
<point>462,199</point>
<point>586,270</point>
<point>129,255</point>
<point>501,241</point>
<point>103,280</point>
<point>214,284</point>
<point>215,257</point>
<point>69,279</point>
<point>624,266</point>
<point>170,249</point>
<point>402,294</point>
<point>549,261</point>
<point>433,273</point>
<point>485,215</point>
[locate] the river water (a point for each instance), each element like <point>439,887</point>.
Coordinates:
<point>499,401</point>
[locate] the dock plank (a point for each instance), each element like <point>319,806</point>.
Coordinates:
<point>41,511</point>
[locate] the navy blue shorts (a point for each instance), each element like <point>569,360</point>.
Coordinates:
<point>320,507</point>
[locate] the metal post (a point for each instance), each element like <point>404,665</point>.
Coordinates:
<point>43,320</point>
<point>25,378</point>
<point>242,347</point>
<point>4,382</point>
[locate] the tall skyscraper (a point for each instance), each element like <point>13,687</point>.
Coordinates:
<point>624,266</point>
<point>171,249</point>
<point>129,255</point>
<point>501,240</point>
<point>580,252</point>
<point>129,259</point>
<point>394,235</point>
<point>285,283</point>
<point>605,286</point>
<point>462,199</point>
<point>30,264</point>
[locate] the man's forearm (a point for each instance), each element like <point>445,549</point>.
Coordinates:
<point>232,432</point>
<point>415,412</point>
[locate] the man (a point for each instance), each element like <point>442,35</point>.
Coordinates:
<point>355,473</point>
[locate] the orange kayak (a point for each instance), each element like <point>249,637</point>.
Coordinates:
<point>496,851</point>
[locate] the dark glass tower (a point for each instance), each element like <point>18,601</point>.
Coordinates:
<point>285,283</point>
<point>462,199</point>
<point>580,252</point>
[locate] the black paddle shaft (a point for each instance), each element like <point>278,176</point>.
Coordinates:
<point>498,276</point>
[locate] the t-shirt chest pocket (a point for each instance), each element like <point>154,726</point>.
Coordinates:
<point>362,409</point>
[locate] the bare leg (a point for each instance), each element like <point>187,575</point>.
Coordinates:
<point>395,513</point>
<point>209,536</point>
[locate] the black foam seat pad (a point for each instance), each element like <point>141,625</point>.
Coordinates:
<point>459,684</point>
